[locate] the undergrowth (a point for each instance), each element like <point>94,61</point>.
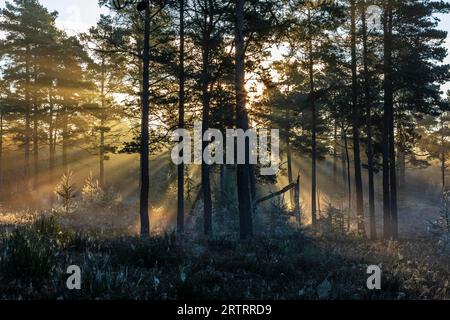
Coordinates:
<point>34,260</point>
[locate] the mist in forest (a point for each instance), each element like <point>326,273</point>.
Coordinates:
<point>419,198</point>
<point>355,91</point>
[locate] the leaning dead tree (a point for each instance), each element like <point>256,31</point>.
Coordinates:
<point>294,185</point>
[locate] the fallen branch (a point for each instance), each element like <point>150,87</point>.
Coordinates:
<point>274,194</point>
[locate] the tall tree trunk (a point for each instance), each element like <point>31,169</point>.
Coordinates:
<point>250,167</point>
<point>35,128</point>
<point>442,155</point>
<point>252,181</point>
<point>287,135</point>
<point>35,145</point>
<point>206,182</point>
<point>243,178</point>
<point>355,124</point>
<point>368,103</point>
<point>289,167</point>
<point>393,177</point>
<point>51,142</point>
<point>101,151</point>
<point>387,108</point>
<point>313,131</point>
<point>145,154</point>
<point>181,98</point>
<point>343,157</point>
<point>443,160</point>
<point>65,129</point>
<point>392,167</point>
<point>392,158</point>
<point>349,179</point>
<point>297,204</point>
<point>27,139</point>
<point>401,163</point>
<point>102,155</point>
<point>335,152</point>
<point>1,155</point>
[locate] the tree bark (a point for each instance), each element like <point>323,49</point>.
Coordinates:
<point>443,160</point>
<point>101,153</point>
<point>180,190</point>
<point>1,155</point>
<point>335,152</point>
<point>65,129</point>
<point>313,131</point>
<point>393,177</point>
<point>35,133</point>
<point>243,178</point>
<point>343,157</point>
<point>387,108</point>
<point>144,161</point>
<point>297,207</point>
<point>368,103</point>
<point>355,124</point>
<point>27,121</point>
<point>289,166</point>
<point>349,180</point>
<point>35,145</point>
<point>392,162</point>
<point>250,167</point>
<point>206,99</point>
<point>401,165</point>
<point>51,142</point>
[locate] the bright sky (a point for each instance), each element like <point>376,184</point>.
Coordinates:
<point>78,15</point>
<point>445,25</point>
<point>74,15</point>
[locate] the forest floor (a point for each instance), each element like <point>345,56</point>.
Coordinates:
<point>35,257</point>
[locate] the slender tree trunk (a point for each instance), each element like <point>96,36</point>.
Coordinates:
<point>1,155</point>
<point>289,167</point>
<point>102,156</point>
<point>243,189</point>
<point>35,128</point>
<point>349,180</point>
<point>27,121</point>
<point>180,202</point>
<point>145,153</point>
<point>393,178</point>
<point>313,131</point>
<point>51,143</point>
<point>368,103</point>
<point>297,202</point>
<point>392,162</point>
<point>401,165</point>
<point>318,202</point>
<point>355,123</point>
<point>206,182</point>
<point>442,156</point>
<point>387,108</point>
<point>335,152</point>
<point>373,228</point>
<point>443,160</point>
<point>400,156</point>
<point>252,181</point>
<point>343,158</point>
<point>35,144</point>
<point>250,167</point>
<point>101,151</point>
<point>65,129</point>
